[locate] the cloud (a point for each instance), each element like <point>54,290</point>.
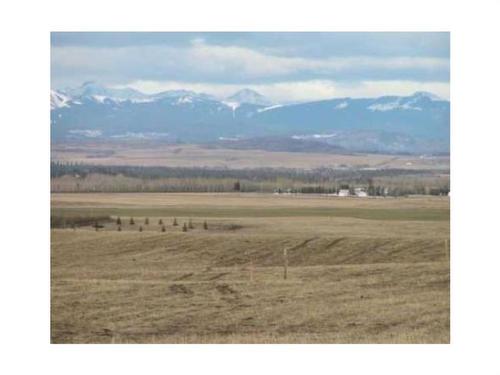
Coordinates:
<point>297,91</point>
<point>286,67</point>
<point>231,64</point>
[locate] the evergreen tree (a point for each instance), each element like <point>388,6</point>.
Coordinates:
<point>146,222</point>
<point>163,228</point>
<point>175,222</point>
<point>205,225</point>
<point>184,228</point>
<point>190,225</point>
<point>140,228</point>
<point>160,222</point>
<point>119,229</point>
<point>118,221</point>
<point>132,222</point>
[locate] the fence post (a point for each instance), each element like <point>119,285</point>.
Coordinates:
<point>251,270</point>
<point>285,259</point>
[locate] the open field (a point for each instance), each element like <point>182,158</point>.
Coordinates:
<point>360,270</point>
<point>154,154</point>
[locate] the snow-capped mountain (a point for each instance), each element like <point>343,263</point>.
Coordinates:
<point>249,97</point>
<point>390,123</point>
<point>93,89</point>
<point>58,100</point>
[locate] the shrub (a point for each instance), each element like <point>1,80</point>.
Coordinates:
<point>140,228</point>
<point>163,228</point>
<point>184,228</point>
<point>131,222</point>
<point>160,222</point>
<point>205,225</point>
<point>190,225</point>
<point>59,221</point>
<point>118,221</point>
<point>119,229</point>
<point>146,222</point>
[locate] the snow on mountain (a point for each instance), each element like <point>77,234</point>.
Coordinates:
<point>413,102</point>
<point>428,95</point>
<point>196,117</point>
<point>93,89</point>
<point>342,105</point>
<point>250,97</point>
<point>270,108</point>
<point>58,99</point>
<point>314,136</point>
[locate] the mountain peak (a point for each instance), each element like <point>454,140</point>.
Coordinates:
<point>92,88</point>
<point>426,94</point>
<point>250,97</point>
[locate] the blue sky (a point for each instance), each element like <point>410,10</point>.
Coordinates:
<point>286,67</point>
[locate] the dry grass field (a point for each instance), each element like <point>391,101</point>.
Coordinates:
<point>360,270</point>
<point>154,154</point>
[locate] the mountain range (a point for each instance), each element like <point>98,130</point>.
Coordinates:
<point>418,123</point>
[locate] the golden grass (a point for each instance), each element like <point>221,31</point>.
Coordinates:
<point>350,280</point>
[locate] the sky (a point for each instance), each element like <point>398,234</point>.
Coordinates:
<point>285,67</point>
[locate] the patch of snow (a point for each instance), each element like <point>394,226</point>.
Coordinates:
<point>232,105</point>
<point>142,100</point>
<point>429,95</point>
<point>342,105</point>
<point>87,133</point>
<point>269,108</point>
<point>228,139</point>
<point>390,106</point>
<point>147,135</point>
<point>58,100</point>
<point>99,98</point>
<point>184,100</point>
<point>314,136</point>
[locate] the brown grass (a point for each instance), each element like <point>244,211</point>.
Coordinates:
<point>196,156</point>
<point>350,280</point>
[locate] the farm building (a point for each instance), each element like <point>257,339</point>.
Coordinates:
<point>360,192</point>
<point>344,193</point>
